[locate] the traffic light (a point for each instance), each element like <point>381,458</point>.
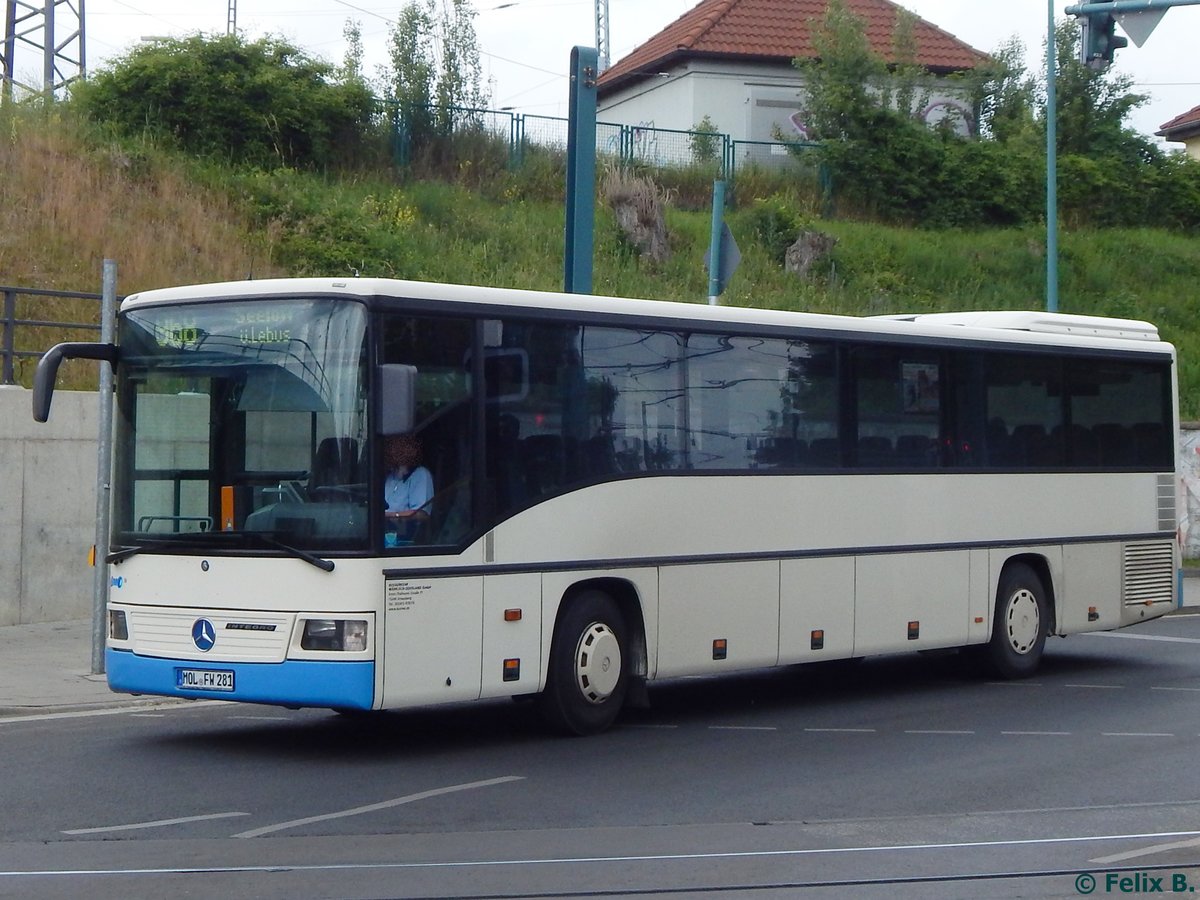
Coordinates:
<point>1099,39</point>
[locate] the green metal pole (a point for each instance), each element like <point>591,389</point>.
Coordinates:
<point>714,244</point>
<point>1051,163</point>
<point>581,171</point>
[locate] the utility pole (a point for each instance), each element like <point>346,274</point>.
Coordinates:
<point>53,29</point>
<point>231,18</point>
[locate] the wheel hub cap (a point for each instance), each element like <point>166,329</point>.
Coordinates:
<point>1022,621</point>
<point>598,663</point>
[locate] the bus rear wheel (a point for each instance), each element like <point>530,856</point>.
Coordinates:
<point>588,675</point>
<point>1019,624</point>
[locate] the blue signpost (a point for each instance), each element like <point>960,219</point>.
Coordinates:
<point>723,253</point>
<point>581,171</point>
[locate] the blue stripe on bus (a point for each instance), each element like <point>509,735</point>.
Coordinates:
<point>294,682</point>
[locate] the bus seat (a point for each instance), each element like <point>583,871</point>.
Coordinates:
<point>1031,445</point>
<point>824,453</point>
<point>781,452</point>
<point>916,451</point>
<point>874,451</point>
<point>1083,446</point>
<point>999,445</point>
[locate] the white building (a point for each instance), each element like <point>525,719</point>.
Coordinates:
<point>731,60</point>
<point>1185,129</point>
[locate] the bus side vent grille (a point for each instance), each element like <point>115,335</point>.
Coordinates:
<point>1148,573</point>
<point>1166,503</point>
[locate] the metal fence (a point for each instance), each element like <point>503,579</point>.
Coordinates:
<point>640,145</point>
<point>24,309</point>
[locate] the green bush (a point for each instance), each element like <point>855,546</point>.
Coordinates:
<point>263,103</point>
<point>775,224</point>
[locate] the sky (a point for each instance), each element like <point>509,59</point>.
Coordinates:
<point>526,44</point>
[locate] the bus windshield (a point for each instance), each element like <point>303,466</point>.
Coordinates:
<point>242,424</point>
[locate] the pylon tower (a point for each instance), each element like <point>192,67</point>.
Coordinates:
<point>45,35</point>
<point>602,33</point>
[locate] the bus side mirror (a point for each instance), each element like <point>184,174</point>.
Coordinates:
<point>47,370</point>
<point>397,398</point>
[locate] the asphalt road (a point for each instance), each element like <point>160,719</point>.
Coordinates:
<point>903,776</point>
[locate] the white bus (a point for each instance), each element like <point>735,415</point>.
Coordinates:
<point>624,491</point>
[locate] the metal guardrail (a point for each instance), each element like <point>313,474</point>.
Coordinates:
<point>9,322</point>
<point>643,145</point>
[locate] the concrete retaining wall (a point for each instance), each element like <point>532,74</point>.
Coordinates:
<point>47,507</point>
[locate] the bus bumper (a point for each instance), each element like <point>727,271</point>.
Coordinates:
<point>336,685</point>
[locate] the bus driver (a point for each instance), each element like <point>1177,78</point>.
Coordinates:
<point>408,489</point>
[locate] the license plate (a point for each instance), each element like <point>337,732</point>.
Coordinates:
<point>204,679</point>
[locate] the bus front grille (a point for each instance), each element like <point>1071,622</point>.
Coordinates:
<point>239,636</point>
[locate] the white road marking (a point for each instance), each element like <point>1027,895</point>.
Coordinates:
<point>1106,687</point>
<point>119,711</point>
<point>375,807</point>
<point>935,731</point>
<point>576,860</point>
<point>1142,637</point>
<point>1038,733</point>
<point>1174,689</point>
<point>157,824</point>
<point>742,728</point>
<point>1146,851</point>
<point>1135,734</point>
<point>843,730</point>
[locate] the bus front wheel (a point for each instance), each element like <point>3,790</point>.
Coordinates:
<point>1019,625</point>
<point>588,675</point>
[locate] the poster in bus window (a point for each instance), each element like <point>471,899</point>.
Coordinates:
<point>920,382</point>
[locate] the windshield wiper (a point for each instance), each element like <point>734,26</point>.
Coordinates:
<point>122,553</point>
<point>312,558</point>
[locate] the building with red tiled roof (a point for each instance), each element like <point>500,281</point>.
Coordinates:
<point>731,60</point>
<point>1185,129</point>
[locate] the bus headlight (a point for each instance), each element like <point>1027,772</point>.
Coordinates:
<point>348,635</point>
<point>118,627</point>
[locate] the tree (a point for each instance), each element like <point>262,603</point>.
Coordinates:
<point>1005,94</point>
<point>435,63</point>
<point>1094,106</point>
<point>838,83</point>
<point>264,103</point>
<point>885,163</point>
<point>352,64</point>
<point>458,83</point>
<point>880,157</point>
<point>705,142</point>
<point>412,67</point>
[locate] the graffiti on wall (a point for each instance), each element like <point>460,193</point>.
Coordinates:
<point>1188,493</point>
<point>638,142</point>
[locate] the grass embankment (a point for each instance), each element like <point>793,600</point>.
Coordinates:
<point>68,201</point>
